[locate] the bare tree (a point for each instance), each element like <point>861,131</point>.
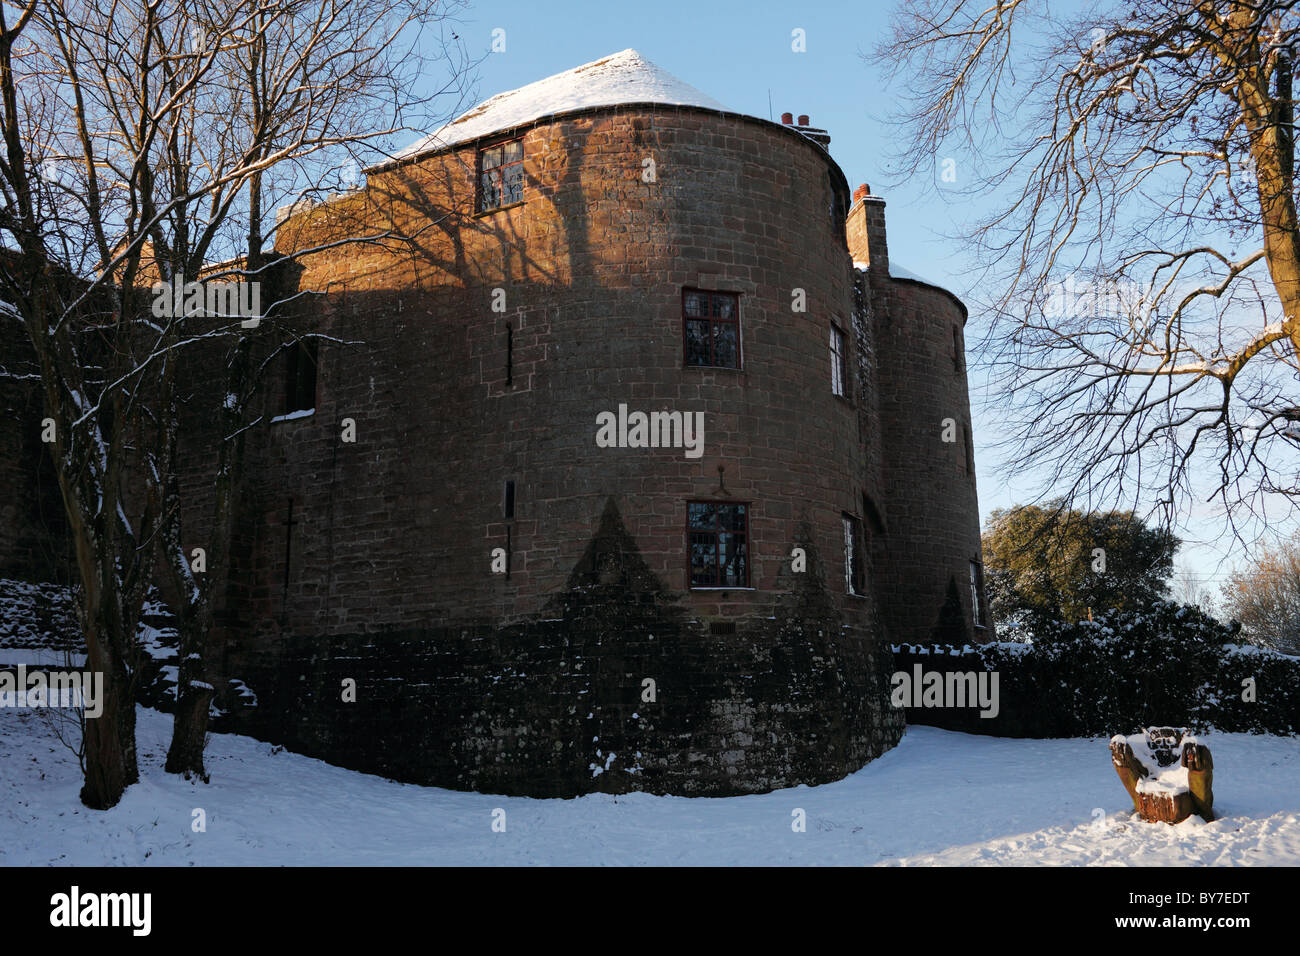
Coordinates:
<point>1189,587</point>
<point>307,92</point>
<point>141,142</point>
<point>1143,258</point>
<point>1265,597</point>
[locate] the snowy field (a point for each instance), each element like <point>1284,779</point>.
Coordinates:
<point>938,798</point>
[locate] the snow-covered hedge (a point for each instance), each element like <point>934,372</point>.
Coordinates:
<point>1170,665</point>
<point>38,615</point>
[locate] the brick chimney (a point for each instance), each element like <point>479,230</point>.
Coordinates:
<point>865,230</point>
<point>813,133</point>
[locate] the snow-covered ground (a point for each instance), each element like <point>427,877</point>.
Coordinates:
<point>938,798</point>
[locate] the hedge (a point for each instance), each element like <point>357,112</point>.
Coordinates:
<point>1170,665</point>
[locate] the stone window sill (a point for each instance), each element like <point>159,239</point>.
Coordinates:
<point>496,209</point>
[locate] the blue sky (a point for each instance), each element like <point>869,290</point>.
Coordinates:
<point>740,54</point>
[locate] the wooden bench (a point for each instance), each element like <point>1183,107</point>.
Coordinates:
<point>1167,772</point>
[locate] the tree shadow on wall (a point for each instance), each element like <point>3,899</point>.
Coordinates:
<point>950,628</point>
<point>611,568</point>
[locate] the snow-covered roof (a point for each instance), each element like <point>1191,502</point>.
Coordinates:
<point>620,78</point>
<point>899,272</point>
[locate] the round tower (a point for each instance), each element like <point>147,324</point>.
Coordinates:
<point>607,514</point>
<point>930,569</point>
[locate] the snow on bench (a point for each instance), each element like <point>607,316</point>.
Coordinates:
<point>1167,772</point>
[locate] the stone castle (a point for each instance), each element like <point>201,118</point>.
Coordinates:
<point>614,460</point>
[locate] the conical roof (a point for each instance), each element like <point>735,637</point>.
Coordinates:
<point>625,77</point>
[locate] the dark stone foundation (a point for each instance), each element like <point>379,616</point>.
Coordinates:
<point>558,706</point>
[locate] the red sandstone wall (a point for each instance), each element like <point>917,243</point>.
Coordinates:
<point>931,507</point>
<point>397,529</point>
<point>31,510</point>
<point>930,510</point>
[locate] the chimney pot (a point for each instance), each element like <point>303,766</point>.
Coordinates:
<point>803,119</point>
<point>787,119</point>
<point>861,192</point>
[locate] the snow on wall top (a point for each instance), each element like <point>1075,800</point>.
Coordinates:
<point>625,77</point>
<point>899,272</point>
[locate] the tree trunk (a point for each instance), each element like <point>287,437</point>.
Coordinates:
<point>109,768</point>
<point>194,693</point>
<point>190,727</point>
<point>125,694</point>
<point>190,731</point>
